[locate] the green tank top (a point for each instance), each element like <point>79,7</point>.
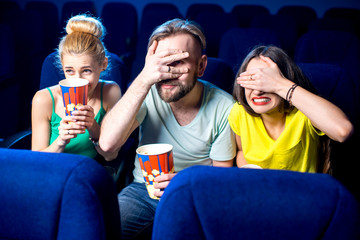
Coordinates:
<point>81,144</point>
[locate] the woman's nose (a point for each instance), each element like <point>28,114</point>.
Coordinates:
<point>258,92</point>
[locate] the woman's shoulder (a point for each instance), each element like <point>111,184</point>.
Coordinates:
<point>44,95</point>
<point>42,102</point>
<point>111,92</point>
<point>109,85</point>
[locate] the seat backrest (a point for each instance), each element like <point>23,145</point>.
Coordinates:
<point>203,202</point>
<point>244,13</point>
<point>7,57</point>
<point>326,46</point>
<point>344,25</point>
<point>333,83</point>
<point>284,27</point>
<point>236,43</point>
<point>196,8</point>
<point>121,22</point>
<point>72,8</point>
<point>7,6</point>
<point>153,15</point>
<point>51,73</point>
<point>302,15</point>
<point>334,47</point>
<point>345,13</point>
<point>218,72</point>
<point>50,18</point>
<point>214,25</point>
<point>56,196</point>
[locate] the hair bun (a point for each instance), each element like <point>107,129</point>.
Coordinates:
<point>85,24</point>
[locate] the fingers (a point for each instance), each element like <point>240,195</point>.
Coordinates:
<point>152,48</point>
<point>164,177</point>
<point>158,193</point>
<point>248,76</point>
<point>84,116</point>
<point>70,128</point>
<point>162,181</point>
<point>268,61</point>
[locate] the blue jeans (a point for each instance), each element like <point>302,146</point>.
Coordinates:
<point>137,209</point>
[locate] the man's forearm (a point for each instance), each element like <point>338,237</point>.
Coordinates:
<point>119,122</point>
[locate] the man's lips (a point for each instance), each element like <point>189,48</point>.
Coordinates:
<point>168,84</point>
<point>260,100</point>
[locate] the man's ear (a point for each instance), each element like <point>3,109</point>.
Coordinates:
<point>202,65</point>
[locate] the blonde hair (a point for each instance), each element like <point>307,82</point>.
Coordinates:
<point>84,36</point>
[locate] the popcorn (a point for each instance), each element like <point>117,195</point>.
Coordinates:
<point>145,174</point>
<point>155,172</point>
<point>70,107</point>
<point>151,178</point>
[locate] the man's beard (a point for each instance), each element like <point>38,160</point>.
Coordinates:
<point>183,90</point>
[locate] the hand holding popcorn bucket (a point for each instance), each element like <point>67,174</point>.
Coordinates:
<point>155,160</point>
<point>74,92</point>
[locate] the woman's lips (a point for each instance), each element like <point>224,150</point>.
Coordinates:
<point>260,100</point>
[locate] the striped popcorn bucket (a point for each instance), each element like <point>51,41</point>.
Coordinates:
<point>74,92</point>
<point>155,160</point>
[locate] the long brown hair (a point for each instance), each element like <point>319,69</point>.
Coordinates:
<point>290,70</point>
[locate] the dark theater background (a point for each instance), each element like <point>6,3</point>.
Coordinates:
<point>30,31</point>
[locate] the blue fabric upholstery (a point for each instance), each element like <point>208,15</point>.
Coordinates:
<point>56,196</point>
<point>302,15</point>
<point>121,22</point>
<point>196,8</point>
<point>9,84</point>
<point>218,72</point>
<point>72,8</point>
<point>204,202</point>
<point>214,25</point>
<point>332,82</point>
<point>244,13</point>
<point>284,27</point>
<point>153,15</point>
<point>50,19</point>
<point>236,43</point>
<point>333,47</point>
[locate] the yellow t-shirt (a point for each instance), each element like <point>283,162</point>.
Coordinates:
<point>295,149</point>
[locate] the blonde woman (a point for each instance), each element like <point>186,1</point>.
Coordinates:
<point>82,55</point>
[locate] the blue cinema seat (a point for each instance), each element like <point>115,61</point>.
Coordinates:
<point>245,13</point>
<point>121,22</point>
<point>56,196</point>
<point>9,84</point>
<point>331,47</point>
<point>302,15</point>
<point>203,202</point>
<point>153,15</point>
<point>236,43</point>
<point>195,9</point>
<point>284,26</point>
<point>220,73</point>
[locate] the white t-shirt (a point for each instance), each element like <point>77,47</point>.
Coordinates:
<point>208,137</point>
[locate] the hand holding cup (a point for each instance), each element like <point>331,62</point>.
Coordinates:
<point>156,160</point>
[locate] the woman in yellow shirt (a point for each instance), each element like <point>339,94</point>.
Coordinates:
<point>277,120</point>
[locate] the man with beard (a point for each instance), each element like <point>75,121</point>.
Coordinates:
<point>172,106</point>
